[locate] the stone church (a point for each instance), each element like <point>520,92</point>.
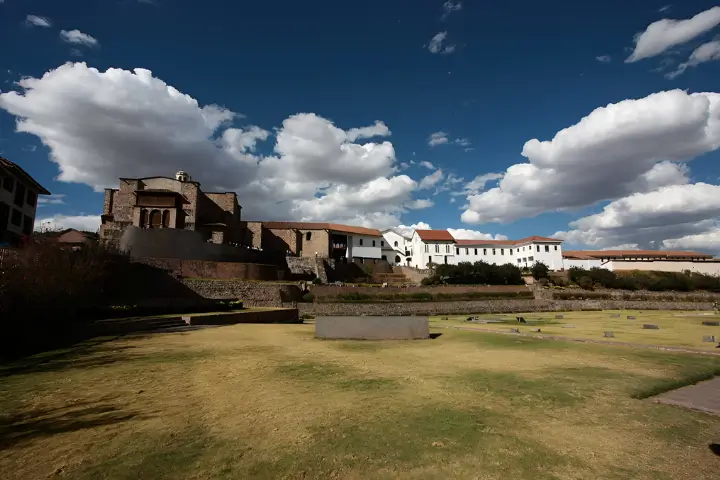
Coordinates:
<point>163,202</point>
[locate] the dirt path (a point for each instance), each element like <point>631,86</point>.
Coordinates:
<point>703,396</point>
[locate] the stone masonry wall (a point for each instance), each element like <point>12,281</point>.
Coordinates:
<point>319,243</point>
<point>487,306</point>
<point>253,294</point>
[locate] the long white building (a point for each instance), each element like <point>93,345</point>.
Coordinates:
<point>656,260</point>
<point>440,247</point>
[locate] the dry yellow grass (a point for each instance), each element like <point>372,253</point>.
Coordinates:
<point>679,329</point>
<point>270,401</point>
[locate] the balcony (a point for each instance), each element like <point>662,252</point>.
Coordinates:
<point>339,246</point>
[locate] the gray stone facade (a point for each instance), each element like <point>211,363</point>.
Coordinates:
<point>176,203</point>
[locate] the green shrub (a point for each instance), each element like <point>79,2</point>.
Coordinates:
<point>586,283</point>
<point>540,271</point>
<point>308,297</point>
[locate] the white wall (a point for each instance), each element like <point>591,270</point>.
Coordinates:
<point>501,254</point>
<point>552,258</point>
<point>366,250</point>
<point>708,268</point>
<point>586,264</point>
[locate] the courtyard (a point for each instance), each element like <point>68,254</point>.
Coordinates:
<point>271,401</point>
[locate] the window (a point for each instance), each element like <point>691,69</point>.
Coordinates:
<point>8,183</point>
<point>547,248</point>
<point>427,248</point>
<point>524,259</point>
<point>519,260</point>
<point>27,225</point>
<point>538,248</point>
<point>493,251</point>
<point>476,251</point>
<point>556,248</point>
<point>4,216</point>
<point>16,217</point>
<point>467,251</point>
<point>502,251</point>
<point>447,248</point>
<point>20,195</point>
<point>308,236</point>
<point>484,251</point>
<point>396,243</point>
<point>437,248</point>
<point>382,244</point>
<point>30,198</point>
<point>373,243</point>
<point>457,251</point>
<point>530,259</point>
<point>360,242</point>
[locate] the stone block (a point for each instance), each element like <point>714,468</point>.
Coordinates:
<point>709,338</point>
<point>711,324</point>
<point>609,335</point>
<point>630,317</point>
<point>372,328</point>
<point>650,326</point>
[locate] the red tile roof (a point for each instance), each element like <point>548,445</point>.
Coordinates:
<point>633,254</point>
<point>435,235</point>
<point>522,241</point>
<point>336,227</point>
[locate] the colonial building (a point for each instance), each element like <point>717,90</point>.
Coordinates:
<point>440,247</point>
<point>311,239</point>
<point>18,202</point>
<point>163,202</point>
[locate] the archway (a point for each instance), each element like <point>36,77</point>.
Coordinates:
<point>397,258</point>
<point>155,219</point>
<point>143,218</point>
<point>165,219</point>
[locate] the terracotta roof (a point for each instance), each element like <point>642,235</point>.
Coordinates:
<point>18,171</point>
<point>485,242</point>
<point>633,254</point>
<point>508,243</point>
<point>435,235</point>
<point>336,227</point>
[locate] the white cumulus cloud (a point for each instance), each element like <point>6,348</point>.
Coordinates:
<point>87,223</point>
<point>623,148</point>
<point>100,126</point>
<point>78,38</point>
<point>706,52</point>
<point>437,44</point>
<point>666,33</point>
<point>36,21</point>
<point>650,219</point>
<point>431,180</point>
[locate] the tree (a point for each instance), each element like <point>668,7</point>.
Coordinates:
<point>540,270</point>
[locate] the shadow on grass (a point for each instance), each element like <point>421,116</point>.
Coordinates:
<point>37,423</point>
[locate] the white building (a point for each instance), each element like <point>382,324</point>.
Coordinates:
<point>440,247</point>
<point>523,253</point>
<point>18,202</point>
<point>656,260</point>
<point>396,249</point>
<point>431,246</point>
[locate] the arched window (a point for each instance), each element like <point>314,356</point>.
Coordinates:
<point>143,218</point>
<point>155,219</point>
<point>384,258</point>
<point>166,218</point>
<point>308,236</point>
<point>396,243</point>
<point>397,258</point>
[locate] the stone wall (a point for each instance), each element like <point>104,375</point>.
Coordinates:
<point>487,306</point>
<point>253,294</point>
<point>319,243</point>
<point>331,290</point>
<point>214,270</point>
<point>301,265</point>
<point>629,295</point>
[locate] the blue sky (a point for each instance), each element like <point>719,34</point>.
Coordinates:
<point>291,79</point>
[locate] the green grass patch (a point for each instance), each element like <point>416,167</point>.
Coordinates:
<point>342,378</point>
<point>358,297</point>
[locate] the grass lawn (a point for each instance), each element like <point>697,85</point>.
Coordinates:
<point>680,329</point>
<point>270,401</point>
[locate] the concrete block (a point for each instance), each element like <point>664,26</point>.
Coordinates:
<point>372,328</point>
